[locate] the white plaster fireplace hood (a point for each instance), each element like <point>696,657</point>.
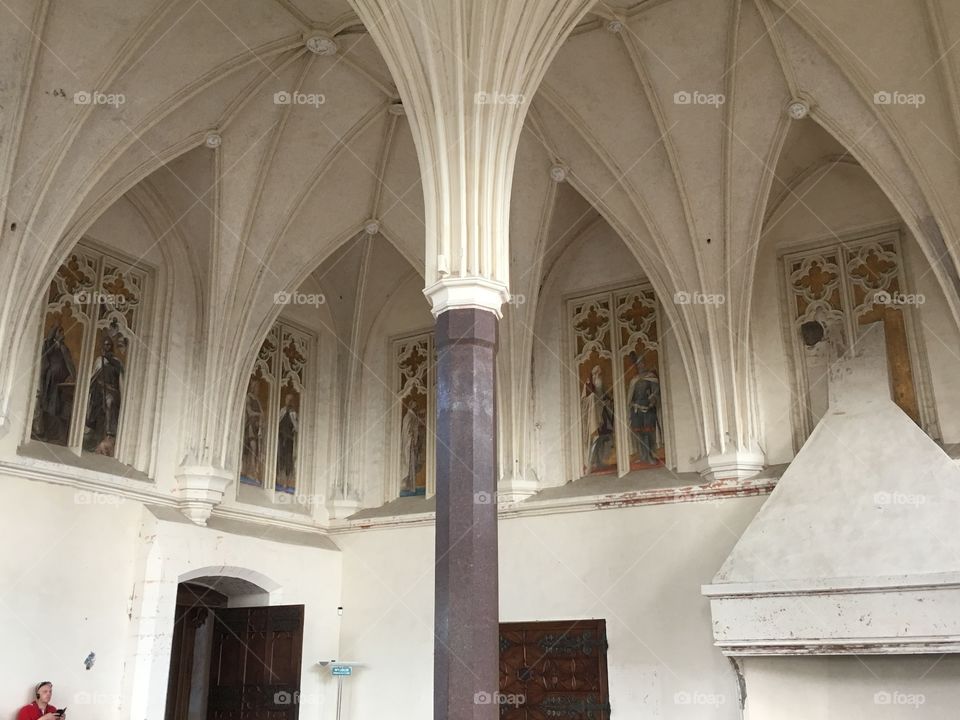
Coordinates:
<point>857,550</point>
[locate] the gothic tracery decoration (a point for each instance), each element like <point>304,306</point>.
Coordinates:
<point>90,333</point>
<point>413,358</point>
<point>835,294</point>
<point>617,357</point>
<point>272,419</point>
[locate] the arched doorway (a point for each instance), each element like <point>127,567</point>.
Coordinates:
<point>233,655</point>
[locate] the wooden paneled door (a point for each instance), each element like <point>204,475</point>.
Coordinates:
<point>554,671</point>
<point>255,667</point>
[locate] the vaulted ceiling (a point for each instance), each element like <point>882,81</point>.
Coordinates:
<point>669,116</point>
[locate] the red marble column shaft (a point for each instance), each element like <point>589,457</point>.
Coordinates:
<point>466,655</point>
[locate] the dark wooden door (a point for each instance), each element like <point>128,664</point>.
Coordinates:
<point>554,671</point>
<point>255,664</point>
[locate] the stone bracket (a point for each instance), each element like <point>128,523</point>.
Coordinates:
<point>199,489</point>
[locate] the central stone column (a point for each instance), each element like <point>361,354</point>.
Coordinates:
<point>466,71</point>
<point>466,617</point>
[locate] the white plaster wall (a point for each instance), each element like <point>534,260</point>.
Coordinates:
<point>924,687</point>
<point>92,572</point>
<point>406,312</point>
<point>845,201</point>
<point>595,261</point>
<point>66,574</point>
<point>639,568</point>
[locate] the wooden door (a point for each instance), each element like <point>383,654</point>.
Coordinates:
<point>255,664</point>
<point>554,671</point>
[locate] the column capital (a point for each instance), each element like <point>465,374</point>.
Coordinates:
<point>467,293</point>
<point>466,71</point>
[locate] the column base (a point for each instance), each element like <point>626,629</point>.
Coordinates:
<point>200,488</point>
<point>732,465</point>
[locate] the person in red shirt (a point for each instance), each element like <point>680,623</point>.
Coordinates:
<point>40,709</point>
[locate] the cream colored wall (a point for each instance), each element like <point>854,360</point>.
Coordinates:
<point>924,687</point>
<point>405,313</point>
<point>639,568</point>
<point>88,572</point>
<point>68,571</point>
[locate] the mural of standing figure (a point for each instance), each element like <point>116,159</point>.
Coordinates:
<point>411,441</point>
<point>596,403</point>
<point>289,429</point>
<point>252,435</point>
<point>643,397</point>
<point>103,411</point>
<point>51,419</point>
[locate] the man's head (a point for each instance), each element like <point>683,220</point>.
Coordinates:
<point>44,691</point>
<point>107,346</point>
<point>289,401</point>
